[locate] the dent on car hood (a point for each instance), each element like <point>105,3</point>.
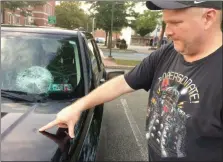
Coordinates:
<point>20,138</point>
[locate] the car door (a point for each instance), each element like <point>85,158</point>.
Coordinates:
<point>90,126</point>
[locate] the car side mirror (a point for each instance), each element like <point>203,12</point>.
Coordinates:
<point>113,74</point>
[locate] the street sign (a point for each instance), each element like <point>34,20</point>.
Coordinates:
<point>52,19</point>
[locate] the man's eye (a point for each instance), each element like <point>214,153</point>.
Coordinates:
<point>177,23</point>
<point>174,22</point>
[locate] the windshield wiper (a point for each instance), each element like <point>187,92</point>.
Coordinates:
<point>19,95</point>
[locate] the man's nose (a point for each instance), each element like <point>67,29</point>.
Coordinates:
<point>169,32</point>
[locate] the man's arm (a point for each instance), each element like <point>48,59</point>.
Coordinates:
<point>140,77</point>
<point>104,93</point>
<point>69,116</point>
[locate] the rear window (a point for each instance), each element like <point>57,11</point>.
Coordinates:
<point>39,63</point>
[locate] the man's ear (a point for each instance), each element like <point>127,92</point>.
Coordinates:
<point>210,17</point>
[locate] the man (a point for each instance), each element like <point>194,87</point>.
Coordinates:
<point>185,116</point>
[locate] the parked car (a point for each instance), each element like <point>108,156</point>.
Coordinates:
<point>121,43</point>
<point>43,71</point>
<point>100,40</point>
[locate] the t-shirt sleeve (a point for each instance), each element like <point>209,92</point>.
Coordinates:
<point>141,76</point>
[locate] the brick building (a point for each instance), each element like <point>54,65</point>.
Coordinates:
<point>39,15</point>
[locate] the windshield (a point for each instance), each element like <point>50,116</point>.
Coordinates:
<point>39,63</point>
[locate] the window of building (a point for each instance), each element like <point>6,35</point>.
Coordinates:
<point>1,17</point>
<point>51,10</point>
<point>26,21</point>
<point>17,19</point>
<point>13,19</point>
<point>10,18</point>
<point>44,8</point>
<point>48,9</point>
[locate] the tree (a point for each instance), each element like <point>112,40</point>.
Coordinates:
<point>102,11</point>
<point>147,22</point>
<point>162,34</point>
<point>70,15</point>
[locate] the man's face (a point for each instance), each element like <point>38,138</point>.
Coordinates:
<point>185,28</point>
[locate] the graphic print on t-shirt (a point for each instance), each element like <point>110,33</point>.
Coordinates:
<point>166,122</point>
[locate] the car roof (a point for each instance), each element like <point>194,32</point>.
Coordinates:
<point>43,30</point>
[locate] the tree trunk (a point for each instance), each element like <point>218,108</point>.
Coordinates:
<point>162,34</point>
<point>109,39</point>
<point>106,38</point>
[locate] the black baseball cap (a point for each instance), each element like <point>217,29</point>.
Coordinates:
<point>171,5</point>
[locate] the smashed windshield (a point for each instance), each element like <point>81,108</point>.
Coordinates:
<point>39,63</point>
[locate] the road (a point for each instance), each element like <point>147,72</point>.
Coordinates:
<point>127,56</point>
<point>123,129</point>
<point>141,53</point>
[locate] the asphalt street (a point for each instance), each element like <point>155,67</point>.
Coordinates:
<point>127,56</point>
<point>123,129</point>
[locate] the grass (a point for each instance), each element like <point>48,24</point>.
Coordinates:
<point>127,62</point>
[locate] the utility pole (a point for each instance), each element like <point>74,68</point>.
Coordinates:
<point>93,27</point>
<point>87,26</point>
<point>111,30</point>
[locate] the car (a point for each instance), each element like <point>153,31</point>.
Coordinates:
<point>100,40</point>
<point>43,71</point>
<point>121,43</point>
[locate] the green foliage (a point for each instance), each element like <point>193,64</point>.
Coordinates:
<point>162,34</point>
<point>147,22</point>
<point>103,14</point>
<point>69,15</point>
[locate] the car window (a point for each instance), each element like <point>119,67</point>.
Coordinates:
<point>94,59</point>
<point>88,56</point>
<point>97,52</point>
<point>39,63</point>
<point>93,50</point>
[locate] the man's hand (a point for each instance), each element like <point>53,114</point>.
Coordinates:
<point>66,118</point>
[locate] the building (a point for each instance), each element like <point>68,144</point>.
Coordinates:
<point>140,41</point>
<point>150,39</point>
<point>99,33</point>
<point>39,15</point>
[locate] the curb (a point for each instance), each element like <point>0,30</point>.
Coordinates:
<point>119,67</point>
<point>119,51</point>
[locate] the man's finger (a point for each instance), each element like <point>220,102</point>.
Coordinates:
<point>49,125</point>
<point>62,126</point>
<point>71,129</point>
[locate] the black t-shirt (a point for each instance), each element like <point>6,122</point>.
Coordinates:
<point>185,116</point>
